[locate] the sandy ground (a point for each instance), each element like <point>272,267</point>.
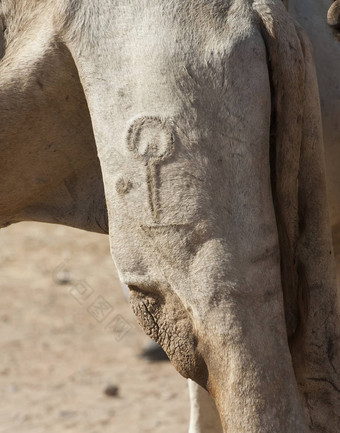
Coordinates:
<point>62,345</point>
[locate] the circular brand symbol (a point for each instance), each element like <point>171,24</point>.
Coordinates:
<point>151,139</point>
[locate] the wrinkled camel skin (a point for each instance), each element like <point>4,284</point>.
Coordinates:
<point>200,150</point>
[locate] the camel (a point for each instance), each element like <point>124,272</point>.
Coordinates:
<point>333,15</point>
<point>207,125</point>
<point>45,122</point>
<point>312,15</point>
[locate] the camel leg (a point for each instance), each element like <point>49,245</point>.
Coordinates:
<point>204,417</point>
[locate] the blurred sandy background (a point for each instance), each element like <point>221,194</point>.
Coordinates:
<point>67,334</point>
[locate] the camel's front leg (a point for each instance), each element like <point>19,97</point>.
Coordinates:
<point>204,417</point>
